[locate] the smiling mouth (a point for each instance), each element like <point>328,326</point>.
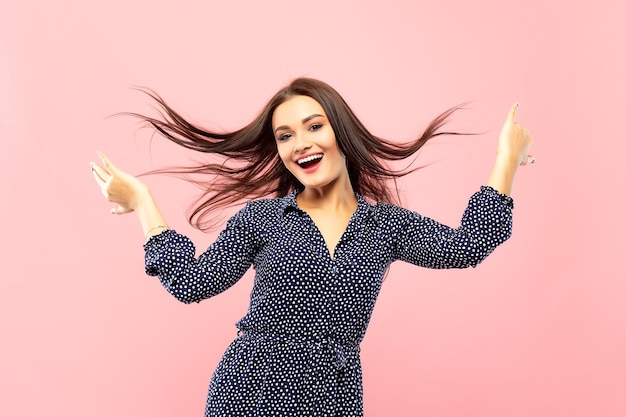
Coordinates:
<point>310,160</point>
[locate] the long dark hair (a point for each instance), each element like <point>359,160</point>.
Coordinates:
<point>250,167</point>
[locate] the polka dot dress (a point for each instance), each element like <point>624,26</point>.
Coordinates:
<point>297,350</point>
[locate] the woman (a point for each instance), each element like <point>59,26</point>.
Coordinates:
<point>320,247</point>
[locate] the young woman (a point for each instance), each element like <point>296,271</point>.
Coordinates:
<point>320,245</point>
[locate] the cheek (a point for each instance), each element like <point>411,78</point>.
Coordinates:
<point>333,144</point>
<point>338,151</point>
<point>283,154</point>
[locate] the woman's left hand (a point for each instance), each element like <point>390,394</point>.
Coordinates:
<point>513,146</point>
<point>514,141</point>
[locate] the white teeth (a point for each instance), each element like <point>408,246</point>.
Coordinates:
<point>310,158</point>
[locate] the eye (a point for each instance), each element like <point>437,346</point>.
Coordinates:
<point>284,137</point>
<point>315,126</point>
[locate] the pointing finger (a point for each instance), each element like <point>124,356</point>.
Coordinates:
<point>513,113</point>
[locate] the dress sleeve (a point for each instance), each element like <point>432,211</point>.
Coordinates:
<point>171,256</point>
<point>486,223</point>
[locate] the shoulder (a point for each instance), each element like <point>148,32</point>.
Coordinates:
<point>266,206</point>
<point>259,212</point>
<point>394,218</point>
<point>392,213</point>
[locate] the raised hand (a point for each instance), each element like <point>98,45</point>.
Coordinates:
<point>514,141</point>
<point>513,145</point>
<point>118,187</point>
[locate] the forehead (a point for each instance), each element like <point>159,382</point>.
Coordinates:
<point>295,110</point>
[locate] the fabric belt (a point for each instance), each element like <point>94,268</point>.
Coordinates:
<point>341,354</point>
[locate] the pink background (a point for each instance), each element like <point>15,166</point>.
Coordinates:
<point>539,329</point>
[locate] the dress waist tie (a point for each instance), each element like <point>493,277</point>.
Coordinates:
<point>341,354</point>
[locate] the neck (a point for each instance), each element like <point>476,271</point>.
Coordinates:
<point>332,197</point>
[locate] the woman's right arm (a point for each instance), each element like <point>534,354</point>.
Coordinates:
<point>171,256</point>
<point>129,194</point>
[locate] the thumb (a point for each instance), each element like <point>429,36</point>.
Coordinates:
<point>529,159</point>
<point>120,210</point>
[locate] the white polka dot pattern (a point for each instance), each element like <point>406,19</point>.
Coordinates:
<point>297,352</point>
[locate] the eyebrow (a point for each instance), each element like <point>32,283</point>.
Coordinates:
<point>306,119</point>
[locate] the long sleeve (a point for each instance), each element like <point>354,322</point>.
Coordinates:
<point>486,223</point>
<point>171,257</point>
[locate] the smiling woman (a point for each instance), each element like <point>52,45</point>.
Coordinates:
<point>320,230</point>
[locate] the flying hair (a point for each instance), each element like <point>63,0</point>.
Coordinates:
<point>248,164</point>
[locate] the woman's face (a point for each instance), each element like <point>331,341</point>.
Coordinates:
<point>306,143</point>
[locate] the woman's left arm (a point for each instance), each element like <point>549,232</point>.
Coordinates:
<point>512,152</point>
<point>487,221</point>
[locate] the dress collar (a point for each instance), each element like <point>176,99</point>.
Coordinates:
<point>288,203</point>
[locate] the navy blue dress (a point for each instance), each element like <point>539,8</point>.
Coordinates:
<point>297,350</point>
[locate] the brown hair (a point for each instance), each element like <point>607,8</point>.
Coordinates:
<point>251,168</point>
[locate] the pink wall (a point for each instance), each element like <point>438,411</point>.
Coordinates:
<point>538,330</point>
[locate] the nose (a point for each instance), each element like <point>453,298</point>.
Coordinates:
<point>302,144</point>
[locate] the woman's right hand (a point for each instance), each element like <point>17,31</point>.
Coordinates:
<point>119,187</point>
